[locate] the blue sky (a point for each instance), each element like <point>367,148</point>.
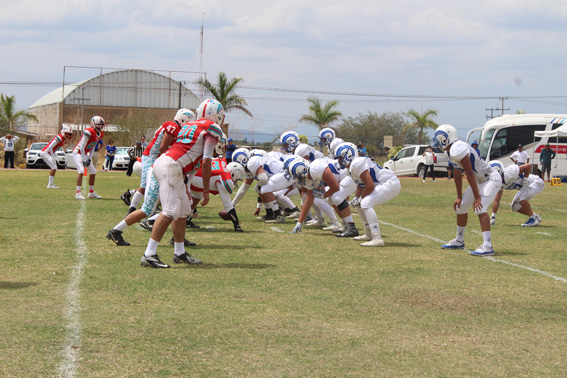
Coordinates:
<point>458,57</point>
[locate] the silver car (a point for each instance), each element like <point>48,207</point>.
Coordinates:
<point>33,160</point>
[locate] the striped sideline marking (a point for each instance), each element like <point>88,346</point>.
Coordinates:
<point>484,257</point>
<point>71,312</point>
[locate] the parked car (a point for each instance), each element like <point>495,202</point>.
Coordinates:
<point>410,161</point>
<point>33,160</point>
<point>121,159</point>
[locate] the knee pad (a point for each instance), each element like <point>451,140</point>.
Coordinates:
<point>343,205</point>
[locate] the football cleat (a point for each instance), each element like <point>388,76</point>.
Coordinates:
<point>190,224</point>
<point>52,186</point>
<point>147,224</point>
<point>376,241</point>
<point>366,237</point>
<point>116,237</point>
<point>454,244</point>
<point>276,219</point>
<point>126,197</point>
<point>293,215</point>
<point>333,227</point>
<point>186,259</point>
<point>94,195</point>
<point>531,222</point>
<point>350,231</point>
<point>492,221</point>
<point>237,228</point>
<point>483,250</point>
<point>153,262</point>
<point>316,223</point>
<point>79,196</point>
<point>537,217</point>
<point>186,242</point>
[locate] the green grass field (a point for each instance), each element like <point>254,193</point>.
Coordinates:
<point>269,304</point>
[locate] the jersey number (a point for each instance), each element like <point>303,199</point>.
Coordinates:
<point>187,133</point>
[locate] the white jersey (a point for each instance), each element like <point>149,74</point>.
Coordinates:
<point>317,169</point>
<point>378,174</point>
<point>521,157</point>
<point>276,155</point>
<point>270,166</point>
<point>515,180</point>
<point>304,150</point>
<point>460,150</point>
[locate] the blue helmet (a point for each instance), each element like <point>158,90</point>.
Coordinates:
<point>240,155</point>
<point>327,135</point>
<point>298,169</point>
<point>345,154</point>
<point>289,140</point>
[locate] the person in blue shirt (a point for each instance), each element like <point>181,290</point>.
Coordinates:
<point>229,150</point>
<point>361,149</point>
<point>110,152</point>
<point>474,145</point>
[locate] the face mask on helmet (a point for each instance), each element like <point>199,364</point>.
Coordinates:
<point>211,110</point>
<point>220,147</point>
<point>345,154</point>
<point>240,156</point>
<point>298,169</point>
<point>289,140</point>
<point>183,116</point>
<point>97,122</point>
<point>236,171</point>
<point>444,136</point>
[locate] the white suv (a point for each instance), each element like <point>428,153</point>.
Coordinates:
<point>410,161</point>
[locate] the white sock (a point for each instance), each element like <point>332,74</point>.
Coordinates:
<point>121,226</point>
<point>78,189</point>
<point>151,249</point>
<point>136,199</point>
<point>178,248</point>
<point>487,236</point>
<point>91,188</point>
<point>348,219</point>
<point>461,234</point>
<point>51,180</point>
<point>493,215</point>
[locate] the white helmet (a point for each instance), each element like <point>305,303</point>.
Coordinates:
<point>334,144</point>
<point>327,135</point>
<point>497,165</point>
<point>303,150</point>
<point>66,130</point>
<point>444,136</point>
<point>258,152</point>
<point>236,171</point>
<point>286,162</point>
<point>211,110</point>
<point>289,140</point>
<point>511,174</point>
<point>97,122</point>
<point>345,154</point>
<point>241,156</point>
<point>183,116</point>
<point>220,147</point>
<point>298,169</point>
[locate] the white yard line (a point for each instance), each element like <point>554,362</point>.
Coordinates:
<point>546,274</point>
<point>71,312</point>
<point>276,229</point>
<point>544,233</point>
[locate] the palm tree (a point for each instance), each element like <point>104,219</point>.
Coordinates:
<point>224,91</point>
<point>9,117</point>
<point>321,116</point>
<point>421,121</point>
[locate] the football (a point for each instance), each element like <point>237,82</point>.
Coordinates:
<point>224,215</point>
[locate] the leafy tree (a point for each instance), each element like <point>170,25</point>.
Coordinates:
<point>10,118</point>
<point>321,116</point>
<point>131,128</point>
<point>370,128</point>
<point>303,139</point>
<point>421,121</point>
<point>224,91</point>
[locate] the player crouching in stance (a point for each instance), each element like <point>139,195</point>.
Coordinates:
<point>83,153</point>
<point>192,149</point>
<point>484,184</point>
<point>518,177</point>
<point>375,186</point>
<point>47,153</point>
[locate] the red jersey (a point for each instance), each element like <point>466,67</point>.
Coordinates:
<point>190,144</point>
<point>170,127</point>
<point>89,139</point>
<point>57,141</point>
<point>218,174</point>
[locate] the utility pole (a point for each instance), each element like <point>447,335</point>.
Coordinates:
<point>493,109</point>
<point>201,58</point>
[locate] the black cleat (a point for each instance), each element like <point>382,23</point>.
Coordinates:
<point>153,262</point>
<point>126,197</point>
<point>190,224</point>
<point>147,224</point>
<point>350,231</point>
<point>237,228</point>
<point>186,243</point>
<point>186,259</point>
<point>116,237</point>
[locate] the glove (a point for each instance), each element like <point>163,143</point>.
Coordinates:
<point>525,182</point>
<point>297,228</point>
<point>318,193</point>
<point>86,163</point>
<point>355,202</point>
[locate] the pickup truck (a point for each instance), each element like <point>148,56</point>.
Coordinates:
<point>410,161</point>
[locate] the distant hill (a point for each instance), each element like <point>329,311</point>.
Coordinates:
<point>253,137</point>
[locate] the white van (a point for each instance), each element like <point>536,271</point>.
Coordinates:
<point>500,137</point>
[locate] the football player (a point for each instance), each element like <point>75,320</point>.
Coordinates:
<point>47,153</point>
<point>83,153</point>
<point>516,177</point>
<point>484,184</point>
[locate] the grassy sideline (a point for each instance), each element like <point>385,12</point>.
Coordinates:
<point>269,304</point>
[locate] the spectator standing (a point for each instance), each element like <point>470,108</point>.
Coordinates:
<point>229,150</point>
<point>545,158</point>
<point>520,157</point>
<point>110,153</point>
<point>361,149</point>
<point>95,155</point>
<point>429,163</point>
<point>134,153</point>
<point>143,142</point>
<point>474,145</point>
<point>9,141</point>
